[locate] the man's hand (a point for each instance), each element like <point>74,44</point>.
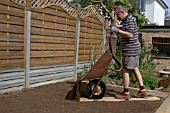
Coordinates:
<point>114,29</point>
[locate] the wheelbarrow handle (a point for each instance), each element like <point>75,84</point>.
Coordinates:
<point>119,64</point>
<point>113,54</point>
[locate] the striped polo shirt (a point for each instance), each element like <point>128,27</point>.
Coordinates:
<point>130,46</point>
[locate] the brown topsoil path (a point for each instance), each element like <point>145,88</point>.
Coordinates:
<point>51,99</point>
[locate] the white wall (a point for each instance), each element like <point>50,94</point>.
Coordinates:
<point>159,13</point>
<point>155,12</point>
<point>149,10</point>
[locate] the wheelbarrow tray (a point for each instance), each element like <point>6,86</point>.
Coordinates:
<point>100,66</point>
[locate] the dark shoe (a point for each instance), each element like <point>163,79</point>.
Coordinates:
<point>122,96</point>
<point>141,94</point>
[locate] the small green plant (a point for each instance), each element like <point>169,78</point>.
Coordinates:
<point>147,68</point>
<point>81,73</point>
<point>155,51</point>
<point>150,79</point>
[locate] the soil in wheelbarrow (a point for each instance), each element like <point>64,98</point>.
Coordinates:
<point>51,99</point>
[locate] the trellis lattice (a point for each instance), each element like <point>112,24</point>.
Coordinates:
<point>84,12</point>
<point>91,10</point>
<point>62,3</point>
<point>20,2</point>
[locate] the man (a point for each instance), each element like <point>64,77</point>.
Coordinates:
<point>130,49</point>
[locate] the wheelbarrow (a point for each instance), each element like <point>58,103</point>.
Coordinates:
<point>96,88</point>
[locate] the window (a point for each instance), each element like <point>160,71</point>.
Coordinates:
<point>141,5</point>
<point>161,47</point>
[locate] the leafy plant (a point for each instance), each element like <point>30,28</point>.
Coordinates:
<point>81,73</point>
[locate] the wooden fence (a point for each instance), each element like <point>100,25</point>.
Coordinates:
<point>46,33</point>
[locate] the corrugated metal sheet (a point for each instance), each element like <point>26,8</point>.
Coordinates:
<point>11,79</point>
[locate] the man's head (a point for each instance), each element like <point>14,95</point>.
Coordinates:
<point>121,13</point>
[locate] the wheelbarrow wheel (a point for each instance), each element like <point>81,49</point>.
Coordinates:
<point>100,91</point>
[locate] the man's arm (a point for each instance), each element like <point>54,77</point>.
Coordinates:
<point>125,34</point>
<point>121,32</point>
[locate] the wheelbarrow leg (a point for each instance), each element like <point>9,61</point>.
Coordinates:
<point>74,94</point>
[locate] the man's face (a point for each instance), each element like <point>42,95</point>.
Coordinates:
<point>119,15</point>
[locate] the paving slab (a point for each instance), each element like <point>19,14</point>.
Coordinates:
<point>165,107</point>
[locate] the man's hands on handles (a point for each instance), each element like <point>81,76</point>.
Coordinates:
<point>114,29</point>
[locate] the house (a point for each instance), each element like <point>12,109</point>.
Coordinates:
<point>154,10</point>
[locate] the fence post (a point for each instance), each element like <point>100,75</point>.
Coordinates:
<point>77,42</point>
<point>27,42</point>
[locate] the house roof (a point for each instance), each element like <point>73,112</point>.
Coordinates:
<point>156,28</point>
<point>164,5</point>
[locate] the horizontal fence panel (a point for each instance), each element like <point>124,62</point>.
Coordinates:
<point>51,47</point>
<point>51,54</point>
<point>12,55</point>
<point>7,3</point>
<point>92,19</point>
<point>84,58</point>
<point>89,30</point>
<point>56,47</point>
<point>91,38</point>
<point>46,32</point>
<point>53,25</point>
<point>91,25</point>
<point>8,43</point>
<point>11,48</point>
<point>51,61</point>
<point>59,16</point>
<point>11,12</point>
<point>52,40</point>
<point>11,28</point>
<point>11,39</point>
<point>53,34</point>
<point>88,47</point>
<point>11,35</point>
<point>90,41</point>
<point>12,21</point>
<point>53,11</point>
<point>11,64</point>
